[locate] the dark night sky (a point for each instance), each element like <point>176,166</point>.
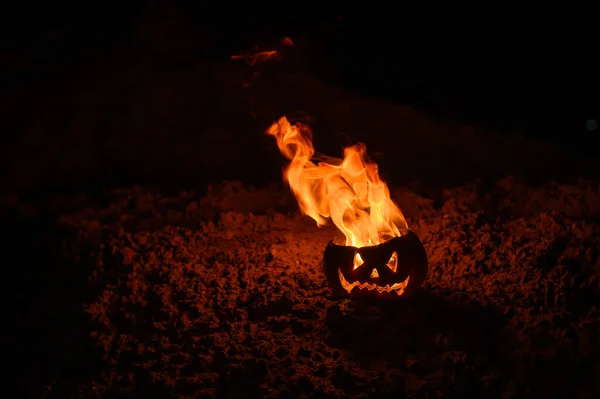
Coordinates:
<point>535,73</point>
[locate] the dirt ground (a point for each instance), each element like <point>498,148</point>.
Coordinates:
<point>220,293</point>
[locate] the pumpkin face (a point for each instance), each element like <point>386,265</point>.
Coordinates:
<point>393,269</point>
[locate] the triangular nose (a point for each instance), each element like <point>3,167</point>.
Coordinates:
<point>374,274</point>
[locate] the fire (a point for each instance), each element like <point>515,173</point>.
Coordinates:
<point>348,191</point>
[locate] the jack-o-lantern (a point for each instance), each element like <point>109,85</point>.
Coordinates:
<point>381,255</point>
<point>393,269</point>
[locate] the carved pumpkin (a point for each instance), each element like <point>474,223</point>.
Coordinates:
<point>393,269</point>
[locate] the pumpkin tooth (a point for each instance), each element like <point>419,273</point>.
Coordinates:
<point>397,288</point>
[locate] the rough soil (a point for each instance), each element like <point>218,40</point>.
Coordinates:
<point>221,294</point>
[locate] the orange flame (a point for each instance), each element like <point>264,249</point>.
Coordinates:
<point>349,191</point>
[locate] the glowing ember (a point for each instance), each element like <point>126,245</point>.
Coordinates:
<point>349,191</point>
<point>255,57</point>
<point>287,42</point>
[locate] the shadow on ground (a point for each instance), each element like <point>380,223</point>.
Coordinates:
<point>471,340</point>
<point>49,325</point>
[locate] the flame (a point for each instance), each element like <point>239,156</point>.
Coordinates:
<point>349,191</point>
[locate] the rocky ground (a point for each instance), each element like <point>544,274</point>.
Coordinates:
<point>219,292</point>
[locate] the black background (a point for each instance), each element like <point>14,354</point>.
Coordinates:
<point>534,74</point>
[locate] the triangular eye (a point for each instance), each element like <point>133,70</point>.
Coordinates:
<point>393,262</point>
<point>358,261</point>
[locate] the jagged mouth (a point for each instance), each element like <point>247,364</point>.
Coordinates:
<point>396,288</point>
